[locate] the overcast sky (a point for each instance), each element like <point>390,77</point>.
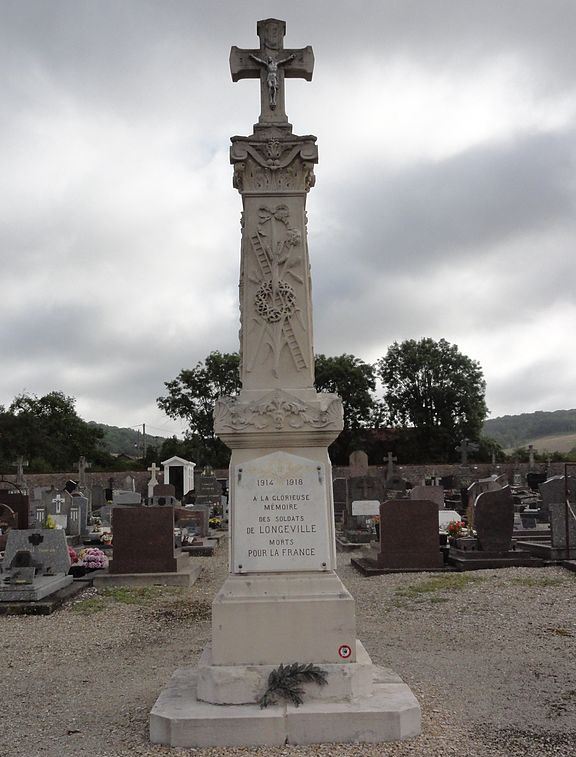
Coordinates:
<point>443,207</point>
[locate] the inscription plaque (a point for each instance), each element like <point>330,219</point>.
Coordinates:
<point>281,515</point>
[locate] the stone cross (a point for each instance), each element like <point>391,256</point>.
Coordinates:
<point>58,500</point>
<point>82,466</point>
<point>20,464</point>
<point>391,460</point>
<point>531,456</point>
<point>464,448</point>
<point>153,469</point>
<point>271,63</point>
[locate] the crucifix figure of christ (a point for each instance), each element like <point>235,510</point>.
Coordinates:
<point>271,63</point>
<point>272,77</point>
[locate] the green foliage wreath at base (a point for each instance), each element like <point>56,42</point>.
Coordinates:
<point>284,683</point>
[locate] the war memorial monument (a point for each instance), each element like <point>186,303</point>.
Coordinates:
<point>282,601</point>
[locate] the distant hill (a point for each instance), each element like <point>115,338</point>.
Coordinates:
<point>127,441</point>
<point>551,431</point>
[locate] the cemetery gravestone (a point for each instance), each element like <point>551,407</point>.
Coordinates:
<point>143,540</point>
<point>8,520</point>
<point>98,497</point>
<point>434,493</point>
<point>126,498</point>
<point>164,494</point>
<point>208,490</point>
<point>409,535</point>
<point>494,520</point>
<point>558,522</point>
<point>553,491</point>
<point>48,548</point>
<point>36,565</point>
<point>358,462</point>
<point>17,501</point>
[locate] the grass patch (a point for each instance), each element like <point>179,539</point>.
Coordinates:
<point>537,582</point>
<point>449,582</point>
<point>89,606</point>
<point>137,595</point>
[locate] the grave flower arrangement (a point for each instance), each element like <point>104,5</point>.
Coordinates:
<point>92,558</point>
<point>72,554</point>
<point>455,528</point>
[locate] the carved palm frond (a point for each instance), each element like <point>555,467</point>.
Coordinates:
<point>285,683</point>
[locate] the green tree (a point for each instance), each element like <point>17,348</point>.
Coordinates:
<point>48,431</point>
<point>354,381</point>
<point>432,387</point>
<point>192,395</point>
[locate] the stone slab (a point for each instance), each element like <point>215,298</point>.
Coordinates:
<point>42,587</point>
<point>546,551</point>
<point>184,578</point>
<point>179,719</point>
<point>44,606</point>
<point>206,549</point>
<point>481,560</point>
<point>369,567</point>
<point>343,545</point>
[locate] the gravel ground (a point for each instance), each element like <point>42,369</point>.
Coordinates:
<point>490,656</point>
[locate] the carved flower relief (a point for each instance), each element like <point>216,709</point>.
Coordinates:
<point>278,411</point>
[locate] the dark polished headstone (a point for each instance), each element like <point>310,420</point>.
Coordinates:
<point>143,540</point>
<point>409,537</point>
<point>494,520</point>
<point>19,503</point>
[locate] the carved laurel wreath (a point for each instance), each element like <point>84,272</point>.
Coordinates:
<point>273,306</point>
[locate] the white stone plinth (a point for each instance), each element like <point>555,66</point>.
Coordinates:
<point>268,619</point>
<point>244,684</point>
<point>390,712</point>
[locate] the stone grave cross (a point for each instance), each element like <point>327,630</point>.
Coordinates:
<point>464,448</point>
<point>271,63</point>
<point>58,501</point>
<point>391,460</point>
<point>82,466</point>
<point>531,456</point>
<point>153,470</point>
<point>20,464</point>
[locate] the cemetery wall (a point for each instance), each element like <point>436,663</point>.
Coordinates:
<point>412,473</point>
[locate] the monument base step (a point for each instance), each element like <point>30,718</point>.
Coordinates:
<point>179,719</point>
<point>182,578</point>
<point>569,565</point>
<point>44,606</point>
<point>480,560</point>
<point>369,567</point>
<point>42,587</point>
<point>244,684</point>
